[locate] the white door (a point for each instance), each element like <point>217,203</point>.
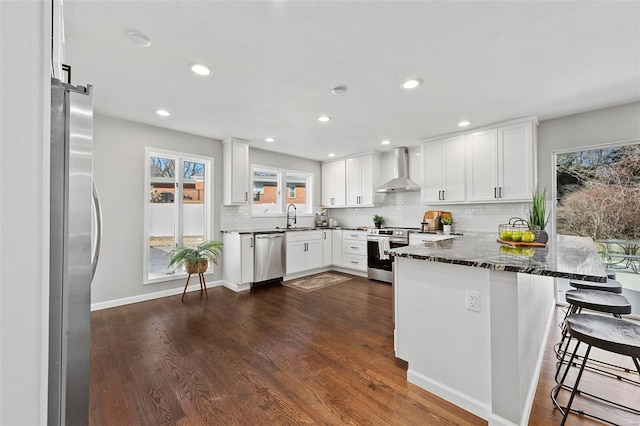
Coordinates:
<point>314,254</point>
<point>515,160</point>
<point>246,259</point>
<point>482,156</point>
<point>296,256</point>
<point>240,173</point>
<point>327,247</point>
<point>354,181</point>
<point>453,158</point>
<point>336,254</point>
<point>432,169</point>
<point>333,184</point>
<point>366,180</point>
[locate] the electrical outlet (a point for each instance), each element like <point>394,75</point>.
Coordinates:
<point>473,300</point>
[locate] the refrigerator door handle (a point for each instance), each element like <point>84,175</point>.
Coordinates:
<point>98,243</point>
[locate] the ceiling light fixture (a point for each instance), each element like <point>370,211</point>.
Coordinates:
<point>200,69</point>
<point>385,142</point>
<point>464,123</point>
<point>163,112</point>
<point>139,39</point>
<point>332,154</point>
<point>269,140</point>
<point>339,90</point>
<point>324,118</point>
<point>411,84</point>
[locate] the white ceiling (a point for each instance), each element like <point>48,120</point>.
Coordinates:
<point>275,62</point>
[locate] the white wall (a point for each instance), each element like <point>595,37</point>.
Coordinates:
<point>24,227</point>
<point>239,217</point>
<point>119,158</point>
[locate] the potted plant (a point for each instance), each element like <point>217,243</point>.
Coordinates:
<point>378,221</point>
<point>195,260</point>
<point>446,224</point>
<point>538,217</point>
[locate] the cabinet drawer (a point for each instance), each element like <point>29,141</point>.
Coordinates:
<point>304,236</point>
<point>358,263</point>
<point>354,247</point>
<point>354,235</point>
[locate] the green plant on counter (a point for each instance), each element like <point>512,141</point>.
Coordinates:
<point>538,210</point>
<point>378,219</point>
<point>446,220</point>
<point>195,258</point>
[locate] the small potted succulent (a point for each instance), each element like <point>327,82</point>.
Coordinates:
<point>446,224</point>
<point>195,260</point>
<point>378,221</point>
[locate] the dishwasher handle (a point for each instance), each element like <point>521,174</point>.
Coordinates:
<point>266,236</point>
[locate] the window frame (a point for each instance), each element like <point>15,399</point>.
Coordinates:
<point>282,187</point>
<point>180,158</point>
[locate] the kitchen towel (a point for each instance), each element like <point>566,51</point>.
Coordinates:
<point>383,245</point>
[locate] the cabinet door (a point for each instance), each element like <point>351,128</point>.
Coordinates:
<point>515,161</point>
<point>236,172</point>
<point>453,158</point>
<point>482,156</point>
<point>432,170</point>
<point>327,248</point>
<point>354,181</point>
<point>313,254</point>
<point>366,180</point>
<point>337,247</point>
<point>246,259</point>
<point>296,256</point>
<point>333,184</point>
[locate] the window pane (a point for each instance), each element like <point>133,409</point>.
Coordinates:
<point>266,193</point>
<point>297,190</point>
<point>161,214</point>
<point>193,199</point>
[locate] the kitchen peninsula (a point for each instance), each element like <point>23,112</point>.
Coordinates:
<point>471,317</point>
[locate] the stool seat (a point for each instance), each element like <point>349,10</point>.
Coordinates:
<point>608,333</point>
<point>610,285</point>
<point>601,301</point>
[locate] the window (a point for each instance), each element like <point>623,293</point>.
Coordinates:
<point>177,207</point>
<point>267,186</point>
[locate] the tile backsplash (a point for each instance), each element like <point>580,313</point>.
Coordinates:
<point>399,210</point>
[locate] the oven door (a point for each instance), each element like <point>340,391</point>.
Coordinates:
<point>373,255</point>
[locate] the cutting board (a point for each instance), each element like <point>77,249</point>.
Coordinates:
<point>521,244</point>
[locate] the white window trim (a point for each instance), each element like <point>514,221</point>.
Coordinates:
<point>282,179</point>
<point>208,231</point>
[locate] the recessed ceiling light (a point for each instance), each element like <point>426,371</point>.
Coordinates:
<point>139,39</point>
<point>269,140</point>
<point>332,154</point>
<point>163,112</point>
<point>464,123</point>
<point>200,69</point>
<point>339,90</point>
<point>324,118</point>
<point>385,142</point>
<point>411,84</point>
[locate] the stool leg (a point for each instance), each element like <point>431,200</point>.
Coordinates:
<point>185,286</point>
<point>575,386</point>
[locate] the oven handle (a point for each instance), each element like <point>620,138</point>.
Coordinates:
<point>391,240</point>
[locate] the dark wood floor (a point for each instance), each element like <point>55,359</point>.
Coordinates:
<point>270,356</point>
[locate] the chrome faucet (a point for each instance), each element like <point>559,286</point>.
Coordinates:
<point>295,215</point>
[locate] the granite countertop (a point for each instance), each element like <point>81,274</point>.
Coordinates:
<point>276,230</point>
<point>565,256</point>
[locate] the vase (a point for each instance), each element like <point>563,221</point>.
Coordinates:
<point>446,229</point>
<point>541,236</point>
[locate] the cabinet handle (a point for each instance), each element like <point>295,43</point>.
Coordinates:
<point>499,192</point>
<point>306,246</point>
<point>353,261</point>
<point>355,248</point>
<point>495,192</point>
<point>251,242</point>
<point>355,236</point>
<point>443,194</point>
<point>333,201</point>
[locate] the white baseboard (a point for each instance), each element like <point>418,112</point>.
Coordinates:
<point>447,393</point>
<point>236,287</point>
<point>150,296</point>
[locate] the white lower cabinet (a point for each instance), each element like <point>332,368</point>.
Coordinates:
<point>304,251</point>
<point>336,252</point>
<point>354,250</point>
<point>237,258</point>
<point>327,247</point>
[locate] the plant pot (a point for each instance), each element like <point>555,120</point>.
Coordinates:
<point>197,267</point>
<point>446,229</point>
<point>541,236</point>
<point>378,224</point>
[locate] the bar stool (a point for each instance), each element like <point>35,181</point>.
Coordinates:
<point>613,335</point>
<point>612,286</point>
<point>595,300</point>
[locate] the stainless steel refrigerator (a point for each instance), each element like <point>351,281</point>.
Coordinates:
<point>74,248</point>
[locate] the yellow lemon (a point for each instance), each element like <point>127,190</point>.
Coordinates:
<point>517,235</point>
<point>528,237</point>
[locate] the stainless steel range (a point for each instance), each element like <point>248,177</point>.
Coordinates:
<point>379,265</point>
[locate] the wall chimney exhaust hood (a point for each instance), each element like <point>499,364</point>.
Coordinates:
<point>401,181</point>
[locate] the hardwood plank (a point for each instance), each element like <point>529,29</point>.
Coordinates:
<point>269,356</point>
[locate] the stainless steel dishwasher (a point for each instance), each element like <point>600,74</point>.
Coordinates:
<point>269,258</point>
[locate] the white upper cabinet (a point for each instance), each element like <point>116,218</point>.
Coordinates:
<point>350,182</point>
<point>333,184</point>
<point>235,155</point>
<point>443,166</point>
<point>502,163</point>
